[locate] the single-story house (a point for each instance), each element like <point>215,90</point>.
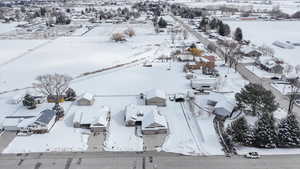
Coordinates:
<point>44,122</point>
<point>156,97</point>
<point>96,119</point>
<point>134,113</point>
<point>250,52</point>
<point>204,83</point>
<point>270,64</point>
<point>154,123</point>
<point>102,123</point>
<point>86,99</point>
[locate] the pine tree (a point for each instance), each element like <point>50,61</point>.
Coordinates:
<point>289,132</point>
<point>162,23</point>
<point>238,34</point>
<point>254,99</point>
<point>29,102</point>
<point>241,132</point>
<point>265,134</point>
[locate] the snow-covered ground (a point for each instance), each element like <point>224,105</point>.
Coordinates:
<point>77,55</point>
<point>62,137</point>
<point>6,27</point>
<point>287,6</point>
<point>262,32</point>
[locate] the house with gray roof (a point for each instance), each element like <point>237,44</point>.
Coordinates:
<point>44,122</point>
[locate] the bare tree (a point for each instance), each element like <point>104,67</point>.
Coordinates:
<point>297,69</point>
<point>52,85</point>
<point>266,50</point>
<point>185,34</point>
<point>229,50</point>
<point>129,32</point>
<point>288,69</point>
<point>295,89</point>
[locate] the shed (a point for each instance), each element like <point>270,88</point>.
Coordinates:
<point>224,108</point>
<point>86,99</point>
<point>156,97</point>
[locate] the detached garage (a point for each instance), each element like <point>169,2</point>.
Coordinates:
<point>156,97</point>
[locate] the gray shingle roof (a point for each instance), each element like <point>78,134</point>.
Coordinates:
<point>46,116</point>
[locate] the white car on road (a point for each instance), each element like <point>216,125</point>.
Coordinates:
<point>252,155</point>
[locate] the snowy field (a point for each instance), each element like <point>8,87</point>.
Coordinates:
<point>7,27</point>
<point>77,55</point>
<point>260,32</point>
<point>288,6</point>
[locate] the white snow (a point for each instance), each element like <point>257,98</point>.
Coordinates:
<point>269,32</point>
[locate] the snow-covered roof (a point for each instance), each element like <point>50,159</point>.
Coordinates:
<point>247,49</point>
<point>153,120</point>
<point>26,122</point>
<point>224,107</point>
<point>135,112</point>
<point>87,96</point>
<point>102,119</point>
<point>156,93</point>
<point>11,122</point>
<point>91,115</point>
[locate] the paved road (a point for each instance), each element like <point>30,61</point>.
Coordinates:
<point>5,139</point>
<point>127,160</point>
<point>247,74</point>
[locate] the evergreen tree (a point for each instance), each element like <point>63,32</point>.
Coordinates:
<point>203,24</point>
<point>29,102</point>
<point>289,132</point>
<point>254,99</point>
<point>265,134</point>
<point>70,95</point>
<point>162,23</point>
<point>241,132</point>
<point>238,35</point>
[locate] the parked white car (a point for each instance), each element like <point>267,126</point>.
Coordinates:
<point>297,102</point>
<point>252,155</point>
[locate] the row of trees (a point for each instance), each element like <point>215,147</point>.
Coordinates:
<point>222,28</point>
<point>119,36</point>
<point>254,100</point>
<point>265,133</point>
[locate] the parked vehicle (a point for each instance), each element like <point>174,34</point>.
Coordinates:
<point>252,155</point>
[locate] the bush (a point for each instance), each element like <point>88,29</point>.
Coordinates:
<point>129,32</point>
<point>118,37</point>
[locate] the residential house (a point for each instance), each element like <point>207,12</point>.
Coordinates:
<point>250,52</point>
<point>270,64</point>
<point>134,113</point>
<point>94,118</point>
<point>154,123</point>
<point>44,122</point>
